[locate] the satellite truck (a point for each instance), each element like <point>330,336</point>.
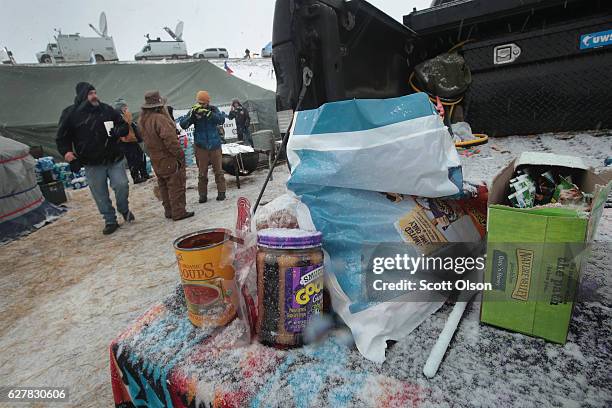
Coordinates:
<point>74,48</point>
<point>156,49</point>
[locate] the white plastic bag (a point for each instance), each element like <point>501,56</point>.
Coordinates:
<point>343,156</point>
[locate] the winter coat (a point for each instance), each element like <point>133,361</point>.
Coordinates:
<point>159,135</point>
<point>241,114</point>
<point>133,135</point>
<point>82,131</point>
<point>206,134</point>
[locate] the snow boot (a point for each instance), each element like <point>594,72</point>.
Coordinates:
<point>221,196</point>
<point>186,215</point>
<point>129,216</point>
<point>203,199</point>
<point>110,228</point>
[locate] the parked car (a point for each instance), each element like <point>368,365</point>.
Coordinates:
<point>212,53</point>
<point>266,52</point>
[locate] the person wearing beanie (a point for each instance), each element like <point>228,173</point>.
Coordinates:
<point>83,138</point>
<point>243,121</point>
<point>205,118</point>
<point>130,146</point>
<point>167,157</point>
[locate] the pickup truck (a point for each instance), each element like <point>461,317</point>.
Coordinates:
<point>531,60</point>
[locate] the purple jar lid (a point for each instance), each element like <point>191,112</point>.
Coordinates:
<point>285,238</point>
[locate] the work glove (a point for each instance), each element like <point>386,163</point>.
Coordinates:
<point>201,111</point>
<point>75,165</point>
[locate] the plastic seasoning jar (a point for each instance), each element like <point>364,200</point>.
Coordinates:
<point>289,284</point>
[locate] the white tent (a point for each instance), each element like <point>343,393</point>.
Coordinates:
<point>23,208</point>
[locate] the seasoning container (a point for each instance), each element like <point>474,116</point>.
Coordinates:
<point>289,284</point>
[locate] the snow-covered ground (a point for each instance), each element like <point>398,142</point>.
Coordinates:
<point>258,71</point>
<point>66,291</point>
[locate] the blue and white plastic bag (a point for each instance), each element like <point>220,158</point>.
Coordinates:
<point>395,145</point>
<point>342,156</point>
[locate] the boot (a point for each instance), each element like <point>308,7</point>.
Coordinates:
<point>186,215</point>
<point>129,216</point>
<point>221,196</point>
<point>110,228</point>
<point>135,176</point>
<point>139,180</point>
<point>203,199</point>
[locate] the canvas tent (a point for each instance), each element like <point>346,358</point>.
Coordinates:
<point>33,96</point>
<point>22,205</point>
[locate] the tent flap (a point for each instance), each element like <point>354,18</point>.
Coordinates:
<point>33,96</point>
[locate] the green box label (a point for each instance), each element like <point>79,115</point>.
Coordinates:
<point>500,269</point>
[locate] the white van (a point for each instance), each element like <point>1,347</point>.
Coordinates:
<point>158,49</point>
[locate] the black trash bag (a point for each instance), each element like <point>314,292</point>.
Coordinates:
<point>446,76</point>
<point>247,163</point>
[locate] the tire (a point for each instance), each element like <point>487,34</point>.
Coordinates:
<point>200,56</point>
<point>174,57</point>
<point>221,56</point>
<point>46,59</point>
<point>99,58</point>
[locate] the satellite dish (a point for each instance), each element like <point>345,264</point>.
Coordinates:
<point>177,34</point>
<point>103,24</point>
<point>178,31</point>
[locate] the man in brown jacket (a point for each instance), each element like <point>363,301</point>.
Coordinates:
<point>167,157</point>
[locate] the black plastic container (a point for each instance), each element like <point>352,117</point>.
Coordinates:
<point>54,192</point>
<point>48,176</point>
<point>550,84</point>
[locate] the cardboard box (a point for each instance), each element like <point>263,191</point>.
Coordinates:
<point>534,255</point>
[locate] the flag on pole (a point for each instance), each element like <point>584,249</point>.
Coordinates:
<point>227,68</point>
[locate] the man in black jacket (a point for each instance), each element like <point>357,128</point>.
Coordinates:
<point>82,138</point>
<point>243,121</point>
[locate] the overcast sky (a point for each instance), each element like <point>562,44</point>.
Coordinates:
<point>27,26</point>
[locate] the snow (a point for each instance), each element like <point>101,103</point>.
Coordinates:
<point>258,71</point>
<point>66,291</point>
<point>286,233</point>
<point>235,148</point>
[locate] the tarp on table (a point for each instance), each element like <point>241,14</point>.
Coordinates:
<point>23,208</point>
<point>33,96</point>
